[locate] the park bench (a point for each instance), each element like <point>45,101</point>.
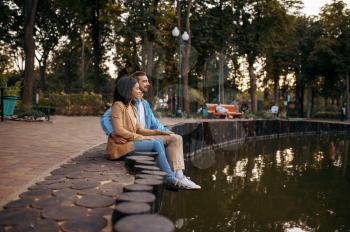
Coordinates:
<point>232,110</point>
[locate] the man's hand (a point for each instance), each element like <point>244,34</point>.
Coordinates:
<point>118,139</point>
<point>147,137</point>
<point>160,132</point>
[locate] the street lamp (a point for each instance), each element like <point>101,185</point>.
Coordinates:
<point>180,39</point>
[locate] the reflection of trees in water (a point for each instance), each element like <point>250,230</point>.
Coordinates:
<point>287,167</point>
<point>267,185</point>
<point>288,163</point>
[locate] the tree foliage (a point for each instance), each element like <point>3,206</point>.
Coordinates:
<point>76,42</point>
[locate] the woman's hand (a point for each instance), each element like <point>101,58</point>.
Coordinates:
<point>118,139</point>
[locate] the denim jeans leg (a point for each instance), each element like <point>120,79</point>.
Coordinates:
<point>161,160</point>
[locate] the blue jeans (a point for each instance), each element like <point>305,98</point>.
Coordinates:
<point>161,160</point>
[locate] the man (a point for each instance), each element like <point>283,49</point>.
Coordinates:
<point>222,110</point>
<point>173,143</point>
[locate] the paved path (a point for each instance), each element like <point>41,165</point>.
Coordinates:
<point>30,150</point>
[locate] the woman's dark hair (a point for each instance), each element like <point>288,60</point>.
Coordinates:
<point>123,90</point>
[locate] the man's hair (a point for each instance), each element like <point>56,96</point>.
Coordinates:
<point>138,74</point>
<point>123,89</point>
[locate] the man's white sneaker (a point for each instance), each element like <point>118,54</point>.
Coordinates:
<point>185,183</point>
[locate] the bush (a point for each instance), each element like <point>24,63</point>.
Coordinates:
<point>249,116</point>
<point>265,115</point>
<point>58,100</point>
<point>29,112</point>
<point>13,90</point>
<point>327,115</point>
<point>75,103</point>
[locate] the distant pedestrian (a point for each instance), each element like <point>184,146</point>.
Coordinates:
<point>203,111</point>
<point>343,113</point>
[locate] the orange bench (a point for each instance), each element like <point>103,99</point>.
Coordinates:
<point>232,110</point>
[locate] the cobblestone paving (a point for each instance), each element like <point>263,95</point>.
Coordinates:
<point>78,196</point>
<point>30,150</point>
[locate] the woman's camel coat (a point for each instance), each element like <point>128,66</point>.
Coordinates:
<point>125,125</point>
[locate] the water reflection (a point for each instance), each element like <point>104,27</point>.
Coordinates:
<point>257,170</point>
<point>294,184</point>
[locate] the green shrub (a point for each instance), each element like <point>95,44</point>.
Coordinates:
<point>265,115</point>
<point>249,116</point>
<point>13,90</point>
<point>3,80</point>
<point>75,103</point>
<point>327,115</point>
<point>29,112</point>
<point>58,100</point>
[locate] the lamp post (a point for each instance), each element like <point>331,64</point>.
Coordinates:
<point>180,39</point>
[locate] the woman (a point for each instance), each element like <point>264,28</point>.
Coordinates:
<point>126,126</point>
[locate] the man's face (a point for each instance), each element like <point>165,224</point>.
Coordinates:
<point>144,84</point>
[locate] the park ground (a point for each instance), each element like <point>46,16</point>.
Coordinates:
<point>29,151</point>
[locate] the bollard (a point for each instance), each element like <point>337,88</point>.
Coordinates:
<point>157,190</point>
<point>138,188</point>
<point>150,172</point>
<point>129,208</point>
<point>144,223</point>
<point>140,168</point>
<point>145,162</point>
<point>148,176</point>
<point>146,153</point>
<point>131,160</point>
<point>138,197</point>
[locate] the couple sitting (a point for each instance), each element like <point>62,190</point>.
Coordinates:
<point>125,124</point>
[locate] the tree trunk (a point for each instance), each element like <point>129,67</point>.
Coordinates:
<point>346,155</point>
<point>276,91</point>
<point>149,58</point>
<point>42,70</point>
<point>309,99</point>
<point>221,78</point>
<point>301,102</point>
<point>205,81</point>
<point>347,96</point>
<point>171,98</point>
<point>82,58</point>
<point>252,87</point>
<point>95,22</point>
<point>312,102</point>
<point>299,94</point>
<point>186,66</point>
<point>30,7</point>
<point>143,54</point>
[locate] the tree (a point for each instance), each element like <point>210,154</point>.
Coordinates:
<point>335,19</point>
<point>259,25</point>
<point>278,52</point>
<point>49,28</point>
<point>30,7</point>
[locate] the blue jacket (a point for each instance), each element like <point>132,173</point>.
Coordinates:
<point>151,121</point>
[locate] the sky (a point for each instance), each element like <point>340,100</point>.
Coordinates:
<point>312,7</point>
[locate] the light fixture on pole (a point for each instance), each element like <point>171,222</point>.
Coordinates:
<point>180,39</point>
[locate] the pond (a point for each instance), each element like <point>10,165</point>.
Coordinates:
<point>288,184</point>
